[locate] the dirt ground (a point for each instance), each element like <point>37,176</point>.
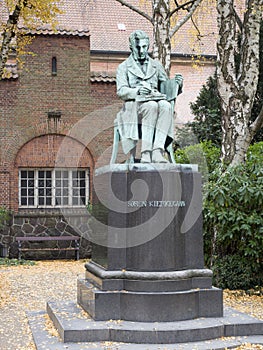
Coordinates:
<point>27,288</point>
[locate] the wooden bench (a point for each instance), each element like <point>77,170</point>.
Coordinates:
<point>76,239</point>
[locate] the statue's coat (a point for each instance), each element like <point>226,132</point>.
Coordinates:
<point>129,79</point>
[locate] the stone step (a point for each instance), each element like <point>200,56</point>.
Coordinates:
<point>75,325</point>
<point>45,340</point>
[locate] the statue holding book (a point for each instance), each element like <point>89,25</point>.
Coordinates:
<point>148,97</point>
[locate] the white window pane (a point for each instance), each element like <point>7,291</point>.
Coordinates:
<point>42,187</point>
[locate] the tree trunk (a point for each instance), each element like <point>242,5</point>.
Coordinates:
<point>161,33</point>
<point>8,33</point>
<point>161,21</point>
<point>237,83</point>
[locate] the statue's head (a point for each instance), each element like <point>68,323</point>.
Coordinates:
<point>139,44</point>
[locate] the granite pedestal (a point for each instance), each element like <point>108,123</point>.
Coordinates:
<point>146,284</point>
<point>149,265</point>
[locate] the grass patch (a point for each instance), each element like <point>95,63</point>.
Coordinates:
<point>15,262</point>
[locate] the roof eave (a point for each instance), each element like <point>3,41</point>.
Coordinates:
<point>173,54</point>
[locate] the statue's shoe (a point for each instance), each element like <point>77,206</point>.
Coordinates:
<point>157,157</point>
<point>146,157</point>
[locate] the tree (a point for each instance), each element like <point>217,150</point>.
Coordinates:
<point>237,76</point>
<point>206,125</point>
<point>259,93</point>
<point>163,14</point>
<point>238,65</point>
<point>206,109</point>
<point>31,13</point>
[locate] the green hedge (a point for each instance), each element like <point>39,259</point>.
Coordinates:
<point>204,154</point>
<point>15,262</point>
<point>4,216</point>
<point>233,223</point>
<point>233,220</point>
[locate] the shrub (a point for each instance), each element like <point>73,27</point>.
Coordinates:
<point>233,222</point>
<point>15,262</point>
<point>255,153</point>
<point>4,216</point>
<point>235,272</point>
<point>204,154</point>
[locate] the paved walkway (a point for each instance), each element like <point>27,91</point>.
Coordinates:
<point>27,289</point>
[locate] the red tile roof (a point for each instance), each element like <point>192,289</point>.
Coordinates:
<point>110,24</point>
<point>104,16</point>
<point>72,21</point>
<point>104,77</point>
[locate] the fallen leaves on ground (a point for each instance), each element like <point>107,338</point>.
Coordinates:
<point>4,291</point>
<point>251,303</point>
<point>49,326</point>
<point>28,288</point>
<point>241,301</point>
<point>248,346</point>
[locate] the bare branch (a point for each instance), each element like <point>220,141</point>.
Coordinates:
<point>197,29</point>
<point>238,19</point>
<point>185,18</point>
<point>181,7</point>
<point>136,9</point>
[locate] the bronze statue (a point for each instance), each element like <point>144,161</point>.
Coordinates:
<point>141,82</point>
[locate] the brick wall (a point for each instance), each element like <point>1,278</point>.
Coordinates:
<point>54,151</point>
<point>107,90</point>
<point>4,188</point>
<point>37,110</point>
<point>26,103</point>
<point>195,76</point>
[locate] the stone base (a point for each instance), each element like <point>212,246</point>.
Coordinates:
<point>75,326</point>
<point>150,306</point>
<point>149,296</point>
<point>150,265</point>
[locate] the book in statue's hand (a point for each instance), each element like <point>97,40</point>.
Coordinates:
<point>152,96</point>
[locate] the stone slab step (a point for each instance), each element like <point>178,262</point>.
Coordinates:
<point>44,340</point>
<point>75,325</point>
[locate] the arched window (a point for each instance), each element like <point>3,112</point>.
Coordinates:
<point>54,65</point>
<point>54,171</point>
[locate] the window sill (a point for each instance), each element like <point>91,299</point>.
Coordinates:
<point>44,212</point>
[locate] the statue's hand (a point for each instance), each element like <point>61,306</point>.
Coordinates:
<point>144,90</point>
<point>179,79</point>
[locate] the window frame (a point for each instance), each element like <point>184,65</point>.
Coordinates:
<point>53,204</point>
<point>54,66</point>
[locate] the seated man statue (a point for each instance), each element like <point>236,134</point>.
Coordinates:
<point>139,80</point>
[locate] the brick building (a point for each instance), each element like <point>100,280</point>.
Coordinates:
<point>58,111</point>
